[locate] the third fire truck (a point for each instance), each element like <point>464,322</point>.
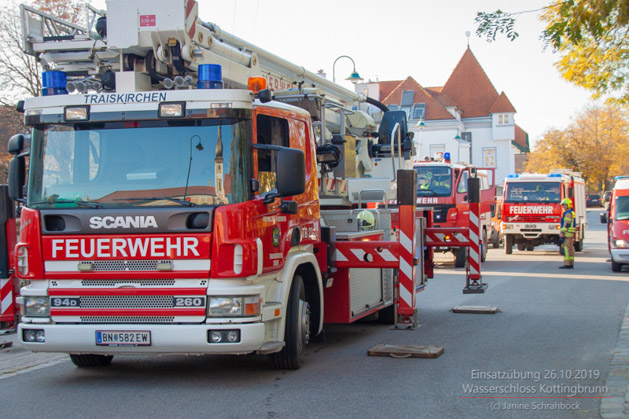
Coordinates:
<point>442,185</point>
<point>531,212</point>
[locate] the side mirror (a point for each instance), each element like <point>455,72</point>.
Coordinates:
<point>291,172</point>
<point>16,144</point>
<point>17,178</point>
<point>603,218</point>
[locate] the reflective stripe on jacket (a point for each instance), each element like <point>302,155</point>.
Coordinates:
<point>568,223</point>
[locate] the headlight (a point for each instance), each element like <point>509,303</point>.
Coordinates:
<point>507,226</point>
<point>229,306</point>
<point>36,306</point>
<point>619,243</point>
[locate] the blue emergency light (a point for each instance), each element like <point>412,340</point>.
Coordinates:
<point>53,83</point>
<point>513,175</point>
<point>554,175</point>
<point>210,76</point>
<point>446,156</point>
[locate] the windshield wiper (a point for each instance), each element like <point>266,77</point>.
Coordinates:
<point>159,198</point>
<point>79,203</point>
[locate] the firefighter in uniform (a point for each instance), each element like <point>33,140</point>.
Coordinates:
<point>424,183</point>
<point>568,228</point>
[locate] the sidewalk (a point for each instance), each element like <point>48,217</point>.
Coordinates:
<point>14,359</point>
<point>617,381</point>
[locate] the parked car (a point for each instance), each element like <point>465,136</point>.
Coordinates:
<point>593,201</point>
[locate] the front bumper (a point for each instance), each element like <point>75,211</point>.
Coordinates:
<point>620,255</point>
<point>165,339</point>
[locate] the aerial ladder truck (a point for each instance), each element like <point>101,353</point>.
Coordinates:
<point>173,203</point>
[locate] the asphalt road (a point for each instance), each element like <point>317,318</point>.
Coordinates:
<point>551,342</point>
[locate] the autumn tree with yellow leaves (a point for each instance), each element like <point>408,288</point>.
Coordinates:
<point>591,38</point>
<point>596,143</point>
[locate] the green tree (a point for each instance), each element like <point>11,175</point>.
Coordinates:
<point>596,143</point>
<point>591,37</point>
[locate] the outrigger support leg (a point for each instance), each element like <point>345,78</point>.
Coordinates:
<point>406,198</point>
<point>474,282</point>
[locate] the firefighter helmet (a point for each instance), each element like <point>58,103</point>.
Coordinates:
<point>366,220</point>
<point>567,202</point>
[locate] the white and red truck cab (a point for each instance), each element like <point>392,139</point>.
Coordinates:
<point>531,209</point>
<point>617,219</point>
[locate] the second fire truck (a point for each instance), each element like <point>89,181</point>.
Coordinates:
<point>531,211</point>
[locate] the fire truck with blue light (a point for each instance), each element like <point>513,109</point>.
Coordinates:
<point>190,193</point>
<point>442,185</point>
<point>531,209</point>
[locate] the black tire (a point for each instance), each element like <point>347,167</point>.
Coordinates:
<point>578,246</point>
<point>530,248</point>
<point>508,244</point>
<point>297,331</point>
<point>495,243</point>
<point>483,247</point>
<point>460,256</point>
<point>616,267</point>
<point>521,247</point>
<point>90,360</point>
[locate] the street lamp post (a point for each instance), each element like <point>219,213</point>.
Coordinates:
<point>354,77</point>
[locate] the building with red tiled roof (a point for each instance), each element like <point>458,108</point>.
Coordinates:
<point>466,117</point>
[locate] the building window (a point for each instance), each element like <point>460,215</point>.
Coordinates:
<point>503,119</point>
<point>466,136</point>
<point>489,156</point>
<point>419,110</point>
<point>407,101</point>
<point>393,107</point>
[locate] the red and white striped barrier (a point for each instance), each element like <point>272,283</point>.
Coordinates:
<point>407,293</point>
<point>7,302</point>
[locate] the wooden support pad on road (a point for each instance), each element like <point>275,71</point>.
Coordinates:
<point>476,309</point>
<point>406,351</point>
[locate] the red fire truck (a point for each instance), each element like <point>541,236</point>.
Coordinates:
<point>531,211</point>
<point>617,220</point>
<point>442,185</point>
<point>172,199</point>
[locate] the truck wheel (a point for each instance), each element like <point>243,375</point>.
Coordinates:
<point>495,243</point>
<point>616,267</point>
<point>508,244</point>
<point>91,360</point>
<point>521,247</point>
<point>297,331</point>
<point>530,248</point>
<point>459,257</point>
<point>483,247</point>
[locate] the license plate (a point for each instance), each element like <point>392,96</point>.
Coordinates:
<point>530,226</point>
<point>123,338</point>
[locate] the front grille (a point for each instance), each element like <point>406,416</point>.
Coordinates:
<point>127,319</point>
<point>148,301</point>
<point>117,282</point>
<point>124,265</point>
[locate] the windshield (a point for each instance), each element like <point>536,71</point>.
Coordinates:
<point>543,192</point>
<point>434,180</point>
<point>622,208</point>
<point>158,163</point>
